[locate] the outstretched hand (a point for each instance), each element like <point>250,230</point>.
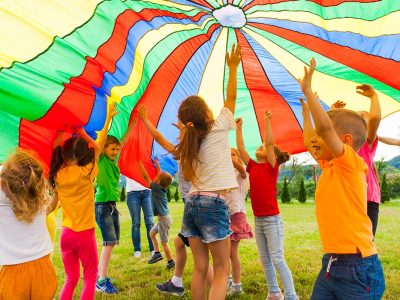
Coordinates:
<point>142,112</point>
<point>338,104</point>
<point>305,83</point>
<point>235,57</point>
<point>267,115</point>
<point>239,123</point>
<point>365,90</point>
<point>112,110</point>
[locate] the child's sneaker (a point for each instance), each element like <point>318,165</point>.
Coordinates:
<point>157,256</point>
<point>170,265</point>
<point>170,289</point>
<point>234,290</point>
<point>105,286</point>
<point>137,254</point>
<point>275,296</point>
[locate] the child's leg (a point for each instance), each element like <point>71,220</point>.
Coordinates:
<point>199,276</point>
<point>89,259</point>
<point>181,256</point>
<point>262,246</point>
<point>153,236</point>
<point>219,252</point>
<point>69,245</point>
<point>235,262</point>
<point>164,224</point>
<point>274,233</point>
<point>167,251</point>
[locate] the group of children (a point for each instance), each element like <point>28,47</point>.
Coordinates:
<point>214,218</point>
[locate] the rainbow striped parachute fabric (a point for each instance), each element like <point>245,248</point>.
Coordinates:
<point>63,61</point>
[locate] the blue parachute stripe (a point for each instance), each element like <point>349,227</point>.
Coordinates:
<point>281,80</point>
<point>124,67</point>
<point>384,46</point>
<point>187,84</point>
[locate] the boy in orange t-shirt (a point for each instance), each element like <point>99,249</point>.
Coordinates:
<point>350,268</point>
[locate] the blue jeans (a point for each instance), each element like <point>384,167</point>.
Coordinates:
<point>207,218</point>
<point>269,238</point>
<point>350,277</point>
<point>135,201</point>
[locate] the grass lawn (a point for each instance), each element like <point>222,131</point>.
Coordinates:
<point>136,279</point>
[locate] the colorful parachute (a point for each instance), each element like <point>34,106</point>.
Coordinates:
<point>62,61</point>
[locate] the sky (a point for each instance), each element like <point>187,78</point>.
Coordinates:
<point>389,127</point>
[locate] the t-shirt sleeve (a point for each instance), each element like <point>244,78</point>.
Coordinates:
<point>350,160</point>
<point>225,121</point>
<point>250,165</point>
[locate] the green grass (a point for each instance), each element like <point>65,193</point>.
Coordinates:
<point>136,279</point>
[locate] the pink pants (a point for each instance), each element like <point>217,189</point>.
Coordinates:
<point>75,247</point>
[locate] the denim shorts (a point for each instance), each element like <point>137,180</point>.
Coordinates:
<point>206,217</point>
<point>107,218</point>
<point>350,277</point>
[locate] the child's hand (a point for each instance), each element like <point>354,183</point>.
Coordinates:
<point>304,106</point>
<point>239,123</point>
<point>338,104</point>
<point>305,83</point>
<point>267,115</point>
<point>142,112</point>
<point>235,57</point>
<point>112,110</point>
<point>366,90</point>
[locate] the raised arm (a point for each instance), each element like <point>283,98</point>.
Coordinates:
<point>374,118</point>
<point>159,138</point>
<point>157,165</point>
<point>144,173</point>
<point>83,134</point>
<point>338,104</point>
<point>308,129</point>
<point>125,138</point>
<point>323,124</point>
<point>389,141</point>
<point>101,137</point>
<point>269,139</point>
<point>240,143</point>
<point>237,164</point>
<point>232,61</point>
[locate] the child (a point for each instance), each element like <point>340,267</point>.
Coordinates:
<point>389,141</point>
<point>268,222</point>
<point>350,268</point>
<point>175,285</point>
<point>159,202</point>
<point>73,169</point>
<point>204,154</point>
<point>107,215</point>
<point>368,150</point>
<point>25,246</point>
<point>235,200</point>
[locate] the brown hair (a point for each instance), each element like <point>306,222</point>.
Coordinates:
<point>24,185</point>
<point>110,140</point>
<point>195,114</point>
<point>349,122</point>
<point>165,179</point>
<point>281,157</point>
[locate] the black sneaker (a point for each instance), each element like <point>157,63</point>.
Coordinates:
<point>155,258</point>
<point>170,289</point>
<point>170,265</point>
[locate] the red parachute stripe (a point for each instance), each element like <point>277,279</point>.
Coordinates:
<point>263,2</point>
<point>202,3</point>
<point>265,97</point>
<point>140,142</point>
<point>75,103</point>
<point>337,2</point>
<point>362,62</point>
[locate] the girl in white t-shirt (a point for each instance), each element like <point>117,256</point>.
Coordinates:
<point>25,246</point>
<point>205,158</point>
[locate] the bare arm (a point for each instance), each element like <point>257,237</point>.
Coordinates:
<point>101,137</point>
<point>374,111</point>
<point>233,61</point>
<point>125,138</point>
<point>240,168</point>
<point>144,173</point>
<point>153,130</point>
<point>389,141</point>
<point>158,168</point>
<point>308,129</point>
<point>269,139</point>
<point>323,125</point>
<point>82,133</point>
<point>53,203</point>
<point>240,143</point>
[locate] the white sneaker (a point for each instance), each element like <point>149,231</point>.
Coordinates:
<point>152,253</point>
<point>137,254</point>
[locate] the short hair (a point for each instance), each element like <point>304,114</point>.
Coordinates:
<point>349,122</point>
<point>165,179</point>
<point>110,140</point>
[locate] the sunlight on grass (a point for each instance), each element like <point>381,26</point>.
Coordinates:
<point>136,279</point>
